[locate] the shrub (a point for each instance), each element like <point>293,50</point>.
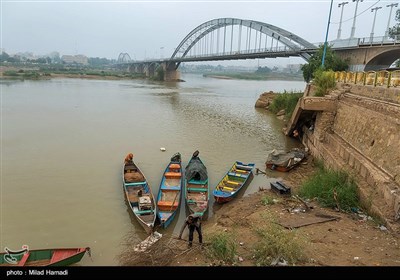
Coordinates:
<point>222,247</point>
<point>324,81</point>
<point>10,73</point>
<point>266,200</point>
<point>278,244</point>
<point>332,189</point>
<point>286,101</point>
<point>159,74</point>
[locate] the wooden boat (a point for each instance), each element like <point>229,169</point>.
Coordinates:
<point>139,196</point>
<point>43,257</point>
<point>284,161</point>
<point>197,193</point>
<point>169,194</point>
<point>233,181</point>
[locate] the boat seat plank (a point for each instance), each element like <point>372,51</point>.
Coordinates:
<point>167,203</point>
<point>240,171</point>
<point>196,182</point>
<point>135,183</point>
<point>24,259</point>
<point>197,189</point>
<point>143,212</point>
<point>244,167</point>
<point>174,166</point>
<point>172,175</point>
<point>227,189</point>
<point>237,175</point>
<point>232,183</point>
<point>172,188</point>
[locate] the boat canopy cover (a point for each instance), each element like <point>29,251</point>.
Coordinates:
<point>282,158</point>
<point>176,157</point>
<point>196,170</point>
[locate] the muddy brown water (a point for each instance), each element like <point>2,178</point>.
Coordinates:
<point>63,143</point>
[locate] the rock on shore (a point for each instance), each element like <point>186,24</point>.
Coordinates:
<point>265,100</point>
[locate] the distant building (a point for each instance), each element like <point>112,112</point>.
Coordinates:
<point>293,68</point>
<point>75,59</point>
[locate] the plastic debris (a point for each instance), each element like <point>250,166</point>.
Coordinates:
<point>150,240</point>
<point>163,149</point>
<point>383,228</point>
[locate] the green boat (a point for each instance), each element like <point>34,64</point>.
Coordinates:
<point>43,257</point>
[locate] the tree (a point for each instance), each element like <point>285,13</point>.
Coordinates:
<point>395,30</point>
<point>159,74</point>
<point>263,70</point>
<point>332,62</point>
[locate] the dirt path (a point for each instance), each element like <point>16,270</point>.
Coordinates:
<point>353,239</point>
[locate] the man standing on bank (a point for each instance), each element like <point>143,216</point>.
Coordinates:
<point>193,221</point>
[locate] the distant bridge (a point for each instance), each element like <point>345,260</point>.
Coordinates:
<point>234,39</point>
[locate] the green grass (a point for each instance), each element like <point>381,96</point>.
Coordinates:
<point>286,101</point>
<point>258,76</point>
<point>277,243</point>
<point>266,200</point>
<point>222,247</point>
<point>332,189</point>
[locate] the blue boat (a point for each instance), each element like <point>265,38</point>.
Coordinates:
<point>169,194</point>
<point>197,192</point>
<point>233,181</point>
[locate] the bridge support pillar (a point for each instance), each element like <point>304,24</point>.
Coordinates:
<point>170,72</point>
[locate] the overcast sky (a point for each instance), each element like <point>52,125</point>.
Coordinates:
<point>155,28</point>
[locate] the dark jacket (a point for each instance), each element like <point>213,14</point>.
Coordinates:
<point>196,221</point>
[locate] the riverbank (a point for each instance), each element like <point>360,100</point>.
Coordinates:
<point>35,73</point>
<point>255,76</point>
<point>331,238</point>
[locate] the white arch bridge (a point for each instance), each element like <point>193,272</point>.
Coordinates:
<point>234,39</point>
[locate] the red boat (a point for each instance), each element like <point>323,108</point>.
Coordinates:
<point>43,257</point>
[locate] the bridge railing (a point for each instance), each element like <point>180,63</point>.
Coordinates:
<point>382,40</point>
<point>279,49</point>
<point>372,78</point>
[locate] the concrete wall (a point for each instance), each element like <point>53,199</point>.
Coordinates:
<point>373,128</point>
<point>391,94</point>
<point>362,137</point>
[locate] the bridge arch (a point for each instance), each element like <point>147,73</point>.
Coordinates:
<point>123,58</point>
<point>382,60</point>
<point>285,37</point>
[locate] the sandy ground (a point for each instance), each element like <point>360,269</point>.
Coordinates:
<point>352,239</point>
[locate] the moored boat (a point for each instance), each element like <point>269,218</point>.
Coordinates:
<point>139,195</point>
<point>233,181</point>
<point>43,257</point>
<point>197,193</point>
<point>284,161</point>
<point>169,194</point>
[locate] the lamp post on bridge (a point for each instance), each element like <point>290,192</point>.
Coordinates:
<point>341,17</point>
<point>373,23</point>
<point>390,14</point>
<point>161,52</point>
<point>326,36</point>
<point>353,28</point>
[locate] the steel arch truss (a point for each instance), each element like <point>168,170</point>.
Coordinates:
<point>123,58</point>
<point>290,40</point>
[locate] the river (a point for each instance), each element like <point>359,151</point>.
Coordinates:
<point>63,142</point>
